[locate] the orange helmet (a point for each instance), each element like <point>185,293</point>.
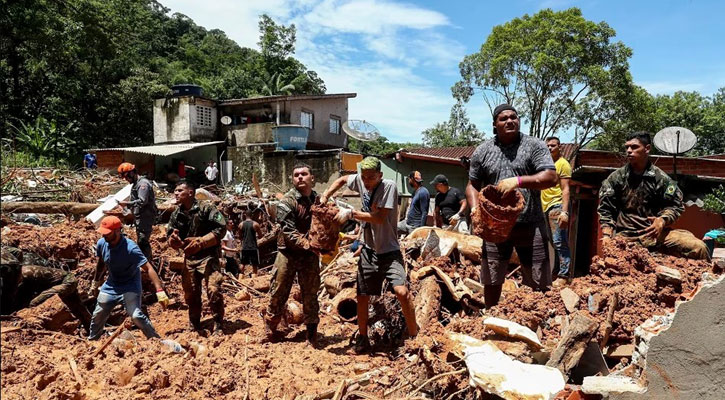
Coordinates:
<point>125,167</point>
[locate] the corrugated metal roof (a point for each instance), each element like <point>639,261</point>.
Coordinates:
<point>160,149</point>
<point>270,99</point>
<point>455,153</point>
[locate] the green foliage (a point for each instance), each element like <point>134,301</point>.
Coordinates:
<point>457,131</point>
<point>98,64</point>
<point>379,147</point>
<point>557,68</point>
<point>42,138</point>
<point>715,201</point>
<point>705,116</point>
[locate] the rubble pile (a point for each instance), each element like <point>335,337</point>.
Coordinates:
<point>324,229</point>
<point>45,356</point>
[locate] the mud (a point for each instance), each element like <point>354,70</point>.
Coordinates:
<point>324,231</point>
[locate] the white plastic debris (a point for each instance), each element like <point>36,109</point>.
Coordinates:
<point>494,372</point>
<point>512,329</point>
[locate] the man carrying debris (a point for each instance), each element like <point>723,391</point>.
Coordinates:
<point>450,206</point>
<point>513,160</point>
<point>294,257</point>
<point>418,212</point>
<point>124,261</point>
<point>198,227</point>
<point>640,202</point>
<point>31,285</point>
<point>555,202</point>
<point>143,205</point>
<point>380,258</point>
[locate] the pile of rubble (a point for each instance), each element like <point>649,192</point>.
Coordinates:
<point>531,344</point>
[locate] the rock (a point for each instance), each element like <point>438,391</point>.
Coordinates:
<point>123,374</point>
<point>242,295</point>
<point>513,330</point>
<point>618,352</point>
<point>294,313</point>
<point>571,300</point>
<point>605,385</point>
<point>359,368</point>
<point>669,275</point>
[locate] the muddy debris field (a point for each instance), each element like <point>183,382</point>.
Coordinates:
<point>45,356</point>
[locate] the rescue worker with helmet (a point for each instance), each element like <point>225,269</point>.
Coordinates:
<point>142,204</point>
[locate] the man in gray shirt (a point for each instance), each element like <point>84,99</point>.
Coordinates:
<point>143,205</point>
<point>512,160</point>
<point>380,257</point>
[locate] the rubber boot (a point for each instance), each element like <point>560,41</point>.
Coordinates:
<point>312,335</point>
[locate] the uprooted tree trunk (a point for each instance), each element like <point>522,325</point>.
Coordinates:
<point>428,302</point>
<point>58,207</point>
<point>574,341</point>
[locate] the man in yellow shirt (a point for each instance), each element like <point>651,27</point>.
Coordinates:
<point>555,203</point>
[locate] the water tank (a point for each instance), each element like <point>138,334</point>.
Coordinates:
<point>291,137</point>
<point>187,89</point>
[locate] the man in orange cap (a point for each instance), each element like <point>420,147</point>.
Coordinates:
<point>143,205</point>
<point>124,261</point>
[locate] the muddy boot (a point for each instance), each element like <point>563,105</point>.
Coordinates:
<point>195,326</point>
<point>218,331</point>
<point>312,335</point>
<point>270,328</point>
<point>362,344</point>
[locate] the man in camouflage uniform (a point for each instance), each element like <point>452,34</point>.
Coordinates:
<point>640,201</point>
<point>31,285</point>
<point>198,227</point>
<point>294,256</point>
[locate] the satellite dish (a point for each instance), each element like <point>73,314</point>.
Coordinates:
<point>675,140</point>
<point>226,120</point>
<point>361,130</point>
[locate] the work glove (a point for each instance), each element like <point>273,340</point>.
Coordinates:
<point>508,184</point>
<point>162,298</point>
<point>323,199</point>
<point>563,220</point>
<point>454,219</point>
<point>175,241</point>
<point>344,215</point>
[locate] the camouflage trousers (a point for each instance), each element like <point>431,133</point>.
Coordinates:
<point>45,280</point>
<point>678,243</point>
<point>206,271</point>
<point>306,266</point>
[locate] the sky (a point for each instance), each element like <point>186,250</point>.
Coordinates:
<point>401,57</point>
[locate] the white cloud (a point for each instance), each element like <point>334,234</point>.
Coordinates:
<point>375,48</point>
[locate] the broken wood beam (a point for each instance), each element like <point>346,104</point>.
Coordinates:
<point>126,324</point>
<point>468,245</point>
<point>573,343</point>
<point>608,326</point>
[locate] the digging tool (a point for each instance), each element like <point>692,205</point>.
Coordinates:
<point>126,324</point>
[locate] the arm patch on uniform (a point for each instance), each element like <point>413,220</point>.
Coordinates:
<point>218,217</point>
<point>670,189</point>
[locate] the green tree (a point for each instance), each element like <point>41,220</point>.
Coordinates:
<point>557,68</point>
<point>457,131</point>
<point>379,147</point>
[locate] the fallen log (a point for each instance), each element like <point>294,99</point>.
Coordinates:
<point>428,303</point>
<point>59,207</point>
<point>571,347</point>
<point>613,303</point>
<point>345,305</point>
<point>468,245</point>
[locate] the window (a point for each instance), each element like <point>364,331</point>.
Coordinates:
<point>203,116</point>
<point>307,119</point>
<point>334,125</point>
